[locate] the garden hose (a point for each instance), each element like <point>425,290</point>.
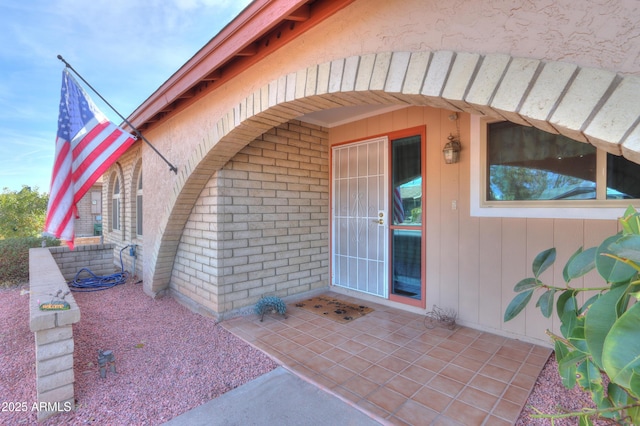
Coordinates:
<point>99,282</point>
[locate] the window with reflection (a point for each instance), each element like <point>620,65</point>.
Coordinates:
<point>528,164</point>
<point>406,229</point>
<point>407,181</point>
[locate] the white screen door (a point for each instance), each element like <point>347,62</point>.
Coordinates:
<point>359,217</point>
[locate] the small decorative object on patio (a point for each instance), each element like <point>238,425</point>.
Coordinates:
<point>334,309</point>
<point>270,304</point>
<point>57,302</point>
<point>106,358</point>
<point>438,316</point>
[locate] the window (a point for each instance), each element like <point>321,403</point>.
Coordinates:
<point>139,205</point>
<point>623,178</point>
<point>406,166</point>
<point>519,171</point>
<point>528,164</point>
<point>115,206</point>
<point>407,230</point>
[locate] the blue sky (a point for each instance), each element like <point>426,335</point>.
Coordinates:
<point>124,48</point>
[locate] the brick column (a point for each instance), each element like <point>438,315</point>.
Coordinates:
<point>53,335</point>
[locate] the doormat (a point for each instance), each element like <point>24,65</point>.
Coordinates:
<point>334,309</point>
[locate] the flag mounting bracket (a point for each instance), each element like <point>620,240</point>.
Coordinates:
<point>135,130</point>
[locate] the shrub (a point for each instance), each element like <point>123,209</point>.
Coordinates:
<point>22,213</point>
<point>14,258</point>
<point>600,339</point>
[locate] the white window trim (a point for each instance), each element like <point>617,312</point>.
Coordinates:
<point>116,222</point>
<point>139,215</point>
<point>570,212</point>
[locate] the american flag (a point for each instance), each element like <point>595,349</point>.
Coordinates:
<point>87,144</point>
<point>398,207</point>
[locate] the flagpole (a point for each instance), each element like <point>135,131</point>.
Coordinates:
<point>137,132</point>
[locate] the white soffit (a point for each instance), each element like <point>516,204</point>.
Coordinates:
<point>343,115</point>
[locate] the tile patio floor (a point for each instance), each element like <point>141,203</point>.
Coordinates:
<point>390,365</point>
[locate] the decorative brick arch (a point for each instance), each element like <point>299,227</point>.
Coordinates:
<point>585,104</point>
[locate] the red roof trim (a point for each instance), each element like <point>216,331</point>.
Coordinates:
<point>235,48</point>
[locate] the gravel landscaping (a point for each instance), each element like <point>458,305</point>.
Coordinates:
<point>168,359</point>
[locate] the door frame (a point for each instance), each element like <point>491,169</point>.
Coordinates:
<point>412,131</point>
<point>398,134</point>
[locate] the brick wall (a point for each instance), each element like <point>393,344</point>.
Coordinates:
<point>97,257</point>
<point>87,211</point>
<point>53,335</point>
<point>127,170</point>
<point>260,226</point>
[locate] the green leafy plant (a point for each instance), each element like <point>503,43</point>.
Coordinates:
<point>599,349</point>
<point>22,213</point>
<point>14,258</point>
<point>268,304</point>
<point>416,215</point>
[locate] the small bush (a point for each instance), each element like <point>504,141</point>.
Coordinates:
<point>14,258</point>
<point>598,350</point>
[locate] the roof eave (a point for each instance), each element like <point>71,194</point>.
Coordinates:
<point>236,40</point>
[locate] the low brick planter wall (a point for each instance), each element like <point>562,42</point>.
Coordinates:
<point>53,335</point>
<point>99,258</point>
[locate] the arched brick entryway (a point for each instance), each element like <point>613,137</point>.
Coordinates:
<point>589,105</point>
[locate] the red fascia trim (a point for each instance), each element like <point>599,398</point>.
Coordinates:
<point>253,22</point>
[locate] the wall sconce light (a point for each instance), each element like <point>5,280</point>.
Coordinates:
<point>451,150</point>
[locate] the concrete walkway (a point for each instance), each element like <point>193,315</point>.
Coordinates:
<point>278,397</point>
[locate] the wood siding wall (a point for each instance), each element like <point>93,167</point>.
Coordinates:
<point>473,263</point>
